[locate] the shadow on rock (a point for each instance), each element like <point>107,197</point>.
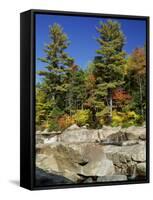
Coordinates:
<point>46,179</point>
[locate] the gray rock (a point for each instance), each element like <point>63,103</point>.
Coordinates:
<point>108,130</point>
<point>84,126</point>
<point>130,142</point>
<point>141,169</point>
<point>112,178</point>
<point>75,134</point>
<point>78,153</point>
<point>45,131</point>
<point>98,165</point>
<point>142,137</point>
<point>88,180</point>
<point>39,139</point>
<point>51,140</point>
<point>38,132</point>
<point>87,160</point>
<point>78,135</point>
<point>60,159</point>
<point>115,139</point>
<point>139,154</point>
<point>125,158</point>
<point>135,133</point>
<point>73,127</point>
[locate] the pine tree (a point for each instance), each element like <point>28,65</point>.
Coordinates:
<point>108,65</point>
<point>50,95</point>
<point>57,63</point>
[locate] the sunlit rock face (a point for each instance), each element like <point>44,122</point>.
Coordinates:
<point>82,155</point>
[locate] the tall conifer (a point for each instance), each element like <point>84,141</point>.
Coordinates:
<point>108,64</point>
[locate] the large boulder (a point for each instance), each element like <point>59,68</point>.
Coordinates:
<point>74,161</point>
<point>98,164</point>
<point>59,159</point>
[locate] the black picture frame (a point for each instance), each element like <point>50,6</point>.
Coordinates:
<point>27,98</point>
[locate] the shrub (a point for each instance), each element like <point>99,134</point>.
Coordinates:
<point>82,117</point>
<point>131,115</point>
<point>53,125</point>
<point>103,116</point>
<point>55,113</point>
<point>65,121</point>
<point>117,118</point>
<point>53,117</point>
<point>126,119</point>
<point>42,126</point>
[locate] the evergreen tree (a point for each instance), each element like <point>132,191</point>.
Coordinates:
<point>108,65</point>
<point>57,63</point>
<point>54,84</point>
<point>112,89</point>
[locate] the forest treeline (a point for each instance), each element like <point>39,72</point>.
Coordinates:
<point>110,91</point>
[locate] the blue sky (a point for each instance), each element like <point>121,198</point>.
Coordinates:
<point>82,34</point>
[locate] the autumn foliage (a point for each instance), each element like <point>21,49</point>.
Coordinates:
<point>121,95</point>
<point>110,91</point>
<point>65,121</point>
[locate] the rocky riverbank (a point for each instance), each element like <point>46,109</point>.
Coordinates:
<point>81,155</point>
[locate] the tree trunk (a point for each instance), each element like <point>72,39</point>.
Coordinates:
<point>94,118</point>
<point>140,87</point>
<point>70,103</point>
<point>82,105</point>
<point>110,104</point>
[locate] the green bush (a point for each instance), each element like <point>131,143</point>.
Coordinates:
<point>126,119</point>
<point>56,113</point>
<point>53,125</point>
<point>118,118</point>
<point>103,116</point>
<point>53,117</point>
<point>82,117</point>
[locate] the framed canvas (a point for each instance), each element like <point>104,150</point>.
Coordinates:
<point>84,99</point>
